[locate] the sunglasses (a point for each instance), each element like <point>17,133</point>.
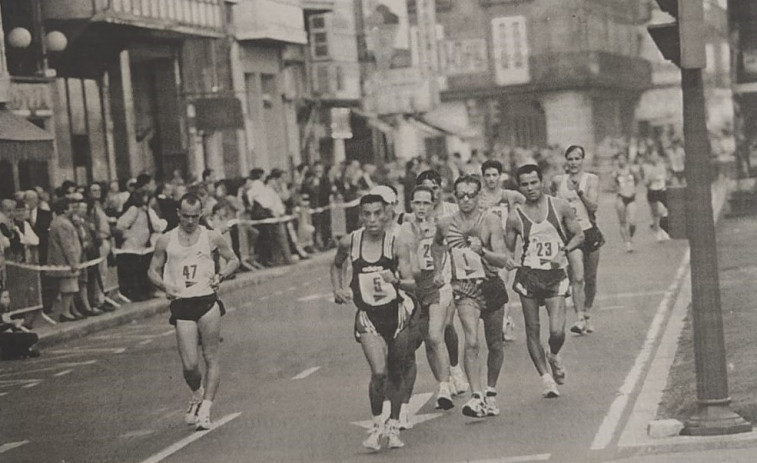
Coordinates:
<point>465,194</point>
<point>190,216</point>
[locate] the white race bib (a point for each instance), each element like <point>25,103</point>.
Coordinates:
<point>468,264</point>
<point>425,259</point>
<point>374,290</point>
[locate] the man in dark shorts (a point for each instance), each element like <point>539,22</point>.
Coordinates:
<point>544,223</point>
<point>184,268</point>
<point>382,313</point>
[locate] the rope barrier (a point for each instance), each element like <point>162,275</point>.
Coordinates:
<point>52,268</point>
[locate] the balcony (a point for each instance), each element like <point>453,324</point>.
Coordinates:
<point>270,20</point>
<point>563,71</point>
<point>317,6</point>
<point>196,17</point>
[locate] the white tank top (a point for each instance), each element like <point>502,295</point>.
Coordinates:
<point>542,241</point>
<point>571,196</point>
<point>189,269</point>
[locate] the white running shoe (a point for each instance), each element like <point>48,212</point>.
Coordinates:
<point>579,327</point>
<point>190,417</point>
<point>490,404</point>
<point>458,381</point>
<point>589,326</point>
<point>392,432</point>
<point>444,398</point>
<point>550,387</point>
<point>375,434</point>
<point>662,235</point>
<point>203,421</point>
<point>404,421</point>
<point>558,372</point>
<point>508,331</point>
<point>629,246</point>
<point>475,407</point>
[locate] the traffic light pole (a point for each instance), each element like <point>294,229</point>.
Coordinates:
<point>714,415</point>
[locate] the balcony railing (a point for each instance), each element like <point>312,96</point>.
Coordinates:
<point>197,15</point>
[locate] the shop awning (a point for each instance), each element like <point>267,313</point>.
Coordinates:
<point>374,121</point>
<point>22,140</point>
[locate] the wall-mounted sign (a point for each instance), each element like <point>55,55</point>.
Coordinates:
<point>463,56</point>
<point>510,50</point>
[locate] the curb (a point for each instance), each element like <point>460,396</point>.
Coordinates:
<point>634,440</point>
<point>128,313</point>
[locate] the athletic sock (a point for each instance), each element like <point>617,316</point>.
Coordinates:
<point>205,407</point>
<point>198,394</point>
<point>377,419</point>
<point>490,391</point>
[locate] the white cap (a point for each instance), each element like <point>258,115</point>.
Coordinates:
<point>386,193</point>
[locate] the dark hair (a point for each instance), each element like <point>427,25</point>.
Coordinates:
<point>491,164</point>
<point>422,188</point>
<point>527,169</point>
<point>206,173</point>
<point>466,178</point>
<point>429,175</point>
<point>370,199</point>
<point>256,173</point>
<point>572,148</point>
<point>190,198</point>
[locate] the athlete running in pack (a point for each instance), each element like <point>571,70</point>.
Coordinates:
<point>626,178</point>
<point>544,224</point>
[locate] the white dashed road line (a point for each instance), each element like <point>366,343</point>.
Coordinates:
<point>63,373</point>
<point>306,373</point>
<point>518,459</point>
<point>167,452</point>
<point>12,445</point>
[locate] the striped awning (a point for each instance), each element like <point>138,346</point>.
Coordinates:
<point>22,140</point>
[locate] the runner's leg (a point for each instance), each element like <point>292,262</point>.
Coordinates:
<point>556,311</point>
<point>470,313</point>
<point>591,264</point>
<point>375,350</point>
<point>577,284</point>
<point>209,326</point>
<point>495,343</point>
<point>188,340</point>
<point>533,333</point>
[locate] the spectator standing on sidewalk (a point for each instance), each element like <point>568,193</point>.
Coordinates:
<point>64,249</point>
<point>138,224</point>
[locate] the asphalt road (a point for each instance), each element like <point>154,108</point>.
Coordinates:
<point>294,382</point>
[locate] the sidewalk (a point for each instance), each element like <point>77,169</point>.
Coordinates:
<point>673,362</point>
<point>53,334</point>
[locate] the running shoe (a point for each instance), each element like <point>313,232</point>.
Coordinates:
<point>662,235</point>
<point>392,432</point>
<point>475,407</point>
<point>404,421</point>
<point>457,378</point>
<point>629,246</point>
<point>190,417</point>
<point>550,387</point>
<point>373,441</point>
<point>490,404</point>
<point>558,372</point>
<point>589,326</point>
<point>203,421</point>
<point>579,327</point>
<point>508,332</point>
<point>444,398</point>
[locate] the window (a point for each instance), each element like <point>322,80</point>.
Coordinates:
<point>339,78</point>
<point>319,37</point>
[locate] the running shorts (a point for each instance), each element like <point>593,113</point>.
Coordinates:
<point>657,196</point>
<point>193,308</point>
<point>492,319</point>
<point>427,296</point>
<point>541,284</point>
<point>593,240</point>
<point>381,322</point>
<point>627,199</point>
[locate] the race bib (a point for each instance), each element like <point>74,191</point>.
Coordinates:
<point>425,259</point>
<point>468,264</point>
<point>374,290</point>
<point>543,254</point>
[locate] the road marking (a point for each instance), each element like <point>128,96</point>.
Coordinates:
<point>291,288</point>
<point>63,373</point>
<point>416,403</point>
<point>145,342</point>
<point>19,382</point>
<point>108,350</point>
<point>314,297</point>
<point>306,373</point>
<point>160,456</point>
<point>519,459</point>
<point>31,385</point>
<point>54,367</point>
<point>264,298</point>
<point>12,445</point>
<point>611,421</point>
<point>3,393</point>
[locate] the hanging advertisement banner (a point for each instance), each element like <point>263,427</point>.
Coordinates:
<point>510,50</point>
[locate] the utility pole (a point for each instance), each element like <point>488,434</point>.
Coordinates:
<point>683,43</point>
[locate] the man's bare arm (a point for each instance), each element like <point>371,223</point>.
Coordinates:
<point>155,271</point>
<point>341,295</point>
<point>407,259</point>
<point>225,250</point>
<point>572,226</point>
<point>497,255</point>
<point>590,197</point>
<point>510,239</point>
